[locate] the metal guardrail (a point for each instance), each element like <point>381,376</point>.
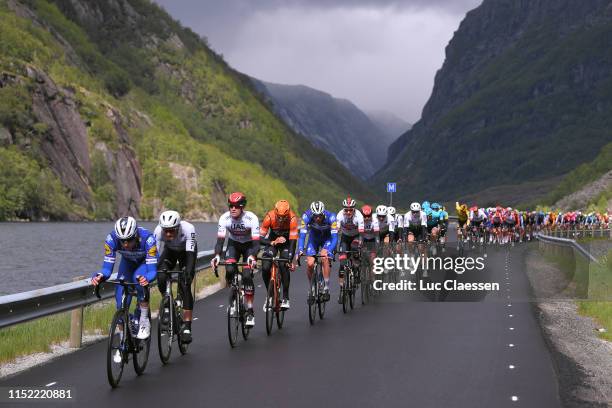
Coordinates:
<point>22,307</point>
<point>567,242</point>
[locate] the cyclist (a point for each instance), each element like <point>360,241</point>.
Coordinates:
<point>370,231</point>
<point>179,245</point>
<point>476,218</point>
<point>243,242</point>
<point>386,225</point>
<point>321,227</point>
<point>138,251</point>
<point>279,234</point>
<point>462,218</point>
<point>398,226</point>
<point>415,223</point>
<point>350,225</point>
<point>435,220</point>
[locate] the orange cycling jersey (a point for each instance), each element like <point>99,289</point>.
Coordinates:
<point>280,226</point>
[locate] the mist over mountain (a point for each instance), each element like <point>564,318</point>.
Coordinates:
<point>333,124</point>
<point>390,124</point>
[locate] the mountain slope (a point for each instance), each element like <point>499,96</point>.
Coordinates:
<point>524,96</point>
<point>133,113</point>
<point>391,125</point>
<point>335,125</point>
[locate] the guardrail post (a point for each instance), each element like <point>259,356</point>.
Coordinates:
<point>76,325</point>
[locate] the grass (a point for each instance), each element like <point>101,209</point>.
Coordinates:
<point>39,335</point>
<point>593,287</point>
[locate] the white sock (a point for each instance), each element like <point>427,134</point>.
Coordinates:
<point>144,316</point>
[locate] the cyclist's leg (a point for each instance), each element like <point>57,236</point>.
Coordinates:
<point>344,246</point>
<point>163,261</point>
<point>266,265</point>
<point>126,271</point>
<point>247,276</point>
<point>185,289</point>
<point>327,251</point>
<point>311,251</point>
<point>284,270</point>
<point>143,302</point>
<point>231,257</point>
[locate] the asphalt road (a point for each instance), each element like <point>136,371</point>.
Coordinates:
<point>483,350</point>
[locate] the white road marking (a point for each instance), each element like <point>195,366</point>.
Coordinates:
<point>510,345</point>
<point>511,367</point>
<point>511,328</point>
<point>220,305</point>
<point>51,383</point>
<point>195,318</point>
<point>510,315</point>
<point>514,398</point>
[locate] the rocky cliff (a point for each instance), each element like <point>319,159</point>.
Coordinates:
<point>523,96</point>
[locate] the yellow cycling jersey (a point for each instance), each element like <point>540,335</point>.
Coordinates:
<point>462,212</point>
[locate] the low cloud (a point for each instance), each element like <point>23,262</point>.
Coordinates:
<point>378,54</point>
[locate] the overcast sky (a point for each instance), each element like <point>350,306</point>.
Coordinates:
<point>380,54</point>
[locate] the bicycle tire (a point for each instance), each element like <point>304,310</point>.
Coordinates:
<point>141,352</point>
<point>119,321</point>
<point>270,310</point>
<point>313,299</point>
<point>233,319</point>
<point>164,355</point>
<point>280,313</point>
<point>178,317</point>
<point>351,290</point>
<point>320,304</point>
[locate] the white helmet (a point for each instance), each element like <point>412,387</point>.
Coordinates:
<point>381,211</point>
<point>126,228</point>
<point>169,219</point>
<point>415,207</point>
<point>391,210</point>
<point>317,207</point>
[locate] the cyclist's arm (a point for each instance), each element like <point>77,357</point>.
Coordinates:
<point>255,232</point>
<point>109,258</point>
<point>334,232</point>
<point>151,258</point>
<point>303,232</point>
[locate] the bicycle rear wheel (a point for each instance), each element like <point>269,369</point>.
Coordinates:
<point>178,317</point>
<point>270,306</point>
<point>164,331</point>
<point>321,282</point>
<point>233,319</point>
<point>141,352</point>
<point>116,343</point>
<point>351,290</point>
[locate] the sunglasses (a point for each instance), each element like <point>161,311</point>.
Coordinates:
<point>235,206</point>
<point>125,241</point>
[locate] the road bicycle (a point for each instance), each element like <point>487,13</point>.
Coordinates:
<point>170,317</point>
<point>351,283</point>
<point>122,336</point>
<point>273,299</point>
<point>316,291</point>
<point>236,308</point>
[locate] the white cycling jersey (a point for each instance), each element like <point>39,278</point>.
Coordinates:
<point>243,229</point>
<point>386,224</point>
<point>350,227</point>
<point>370,228</point>
<point>411,219</point>
<point>399,221</point>
<point>185,240</point>
<point>478,216</point>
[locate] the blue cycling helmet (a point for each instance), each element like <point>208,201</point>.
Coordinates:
<point>435,206</point>
<point>425,204</point>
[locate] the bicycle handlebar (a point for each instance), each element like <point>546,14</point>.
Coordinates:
<point>128,285</point>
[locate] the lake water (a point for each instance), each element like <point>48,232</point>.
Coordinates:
<point>36,255</point>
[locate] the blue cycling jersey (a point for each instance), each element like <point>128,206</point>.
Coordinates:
<point>145,253</point>
<point>434,217</point>
<point>327,230</point>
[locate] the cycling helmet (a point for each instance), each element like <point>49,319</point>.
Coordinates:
<point>282,208</point>
<point>237,198</point>
<point>381,211</point>
<point>415,207</point>
<point>509,209</point>
<point>366,210</point>
<point>435,206</point>
<point>474,208</point>
<point>126,228</point>
<point>169,219</point>
<point>317,207</point>
<point>425,204</point>
<point>391,210</point>
<point>348,202</point>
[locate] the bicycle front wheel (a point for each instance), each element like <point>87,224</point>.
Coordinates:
<point>280,313</point>
<point>233,319</point>
<point>164,330</point>
<point>116,349</point>
<point>270,307</point>
<point>313,299</point>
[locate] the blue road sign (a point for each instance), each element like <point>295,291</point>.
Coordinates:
<point>391,187</point>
